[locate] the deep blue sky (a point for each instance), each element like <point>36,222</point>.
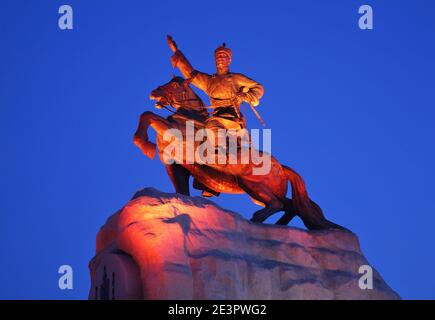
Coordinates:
<point>353,111</point>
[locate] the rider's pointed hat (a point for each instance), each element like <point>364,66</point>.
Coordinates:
<point>223,48</point>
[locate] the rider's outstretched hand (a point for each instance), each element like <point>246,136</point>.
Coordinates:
<point>239,98</point>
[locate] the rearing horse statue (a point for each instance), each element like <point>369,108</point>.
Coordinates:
<point>268,190</point>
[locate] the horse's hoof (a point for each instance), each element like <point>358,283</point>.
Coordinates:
<point>259,217</point>
<point>148,148</point>
<point>255,220</point>
<point>206,194</point>
<point>151,150</point>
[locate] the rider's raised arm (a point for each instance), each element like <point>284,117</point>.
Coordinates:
<point>252,89</point>
<point>179,60</point>
<point>199,79</point>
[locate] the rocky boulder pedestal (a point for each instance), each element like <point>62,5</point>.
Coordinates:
<point>170,246</point>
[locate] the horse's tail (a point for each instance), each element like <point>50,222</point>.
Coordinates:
<point>310,213</point>
<point>299,191</point>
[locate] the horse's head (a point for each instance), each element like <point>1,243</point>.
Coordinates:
<point>178,94</point>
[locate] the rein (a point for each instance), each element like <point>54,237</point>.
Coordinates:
<point>177,114</point>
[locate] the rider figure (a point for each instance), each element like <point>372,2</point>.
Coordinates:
<point>226,90</point>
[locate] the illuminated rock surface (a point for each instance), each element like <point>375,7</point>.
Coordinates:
<point>169,246</point>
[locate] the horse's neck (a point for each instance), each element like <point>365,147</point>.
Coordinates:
<point>196,105</point>
<point>194,114</point>
<point>193,107</point>
<point>195,102</point>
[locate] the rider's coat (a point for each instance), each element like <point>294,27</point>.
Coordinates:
<point>222,91</point>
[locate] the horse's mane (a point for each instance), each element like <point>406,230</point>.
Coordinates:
<point>198,112</point>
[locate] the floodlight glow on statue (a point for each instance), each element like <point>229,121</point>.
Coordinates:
<point>226,91</point>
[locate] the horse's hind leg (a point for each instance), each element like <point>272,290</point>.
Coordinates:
<point>316,220</point>
<point>264,195</point>
<point>266,212</point>
<point>179,177</point>
<point>140,138</point>
<point>290,213</point>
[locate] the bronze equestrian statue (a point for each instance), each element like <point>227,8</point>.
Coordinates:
<point>267,190</point>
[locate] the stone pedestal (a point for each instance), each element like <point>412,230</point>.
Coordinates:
<point>169,246</point>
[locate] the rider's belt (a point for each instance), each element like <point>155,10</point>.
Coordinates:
<point>225,112</point>
<point>216,103</point>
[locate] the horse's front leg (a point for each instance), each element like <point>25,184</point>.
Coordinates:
<point>140,138</point>
<point>179,177</point>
